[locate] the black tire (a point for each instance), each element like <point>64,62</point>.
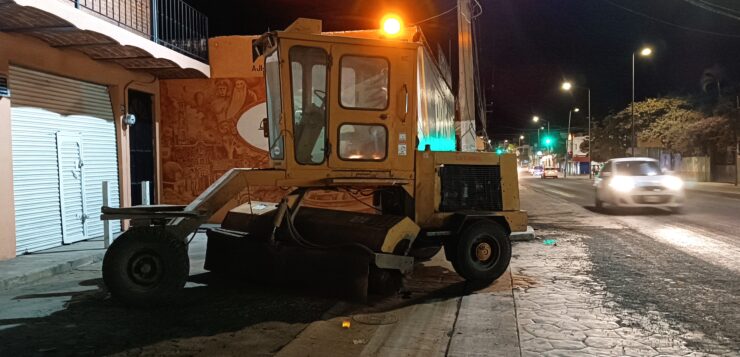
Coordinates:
<point>146,266</point>
<point>477,239</point>
<point>423,254</point>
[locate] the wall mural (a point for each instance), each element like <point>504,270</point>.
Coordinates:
<point>209,126</point>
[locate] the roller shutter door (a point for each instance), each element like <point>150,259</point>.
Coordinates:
<point>64,146</point>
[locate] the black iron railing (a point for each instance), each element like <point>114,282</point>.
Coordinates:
<point>170,23</point>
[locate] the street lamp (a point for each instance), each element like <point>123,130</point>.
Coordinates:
<point>644,52</point>
<point>567,86</point>
<point>537,119</point>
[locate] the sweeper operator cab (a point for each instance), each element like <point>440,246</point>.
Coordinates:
<point>357,112</point>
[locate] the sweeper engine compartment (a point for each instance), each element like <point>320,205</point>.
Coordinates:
<point>334,254</point>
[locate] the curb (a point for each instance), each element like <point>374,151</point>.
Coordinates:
<point>7,283</point>
<point>528,235</point>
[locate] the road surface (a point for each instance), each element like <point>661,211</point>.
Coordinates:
<point>684,268</point>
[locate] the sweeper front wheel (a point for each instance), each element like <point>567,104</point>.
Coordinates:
<point>146,266</point>
<point>482,252</point>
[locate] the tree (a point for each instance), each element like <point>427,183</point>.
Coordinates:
<point>670,126</point>
<point>712,78</point>
<point>608,142</point>
<point>709,137</point>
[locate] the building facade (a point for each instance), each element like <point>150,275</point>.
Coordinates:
<point>73,75</point>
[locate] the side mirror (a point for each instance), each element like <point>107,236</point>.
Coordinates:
<point>265,127</point>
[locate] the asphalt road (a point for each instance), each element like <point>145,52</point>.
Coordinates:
<point>683,268</point>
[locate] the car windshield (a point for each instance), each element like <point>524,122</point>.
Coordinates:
<point>637,168</point>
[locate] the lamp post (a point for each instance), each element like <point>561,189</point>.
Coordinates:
<point>538,135</point>
<point>568,146</point>
<point>644,52</point>
<point>567,86</point>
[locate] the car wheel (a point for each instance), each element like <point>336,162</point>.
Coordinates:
<point>146,266</point>
<point>483,252</point>
<point>597,202</point>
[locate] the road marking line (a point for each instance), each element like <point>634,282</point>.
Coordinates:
<point>561,193</point>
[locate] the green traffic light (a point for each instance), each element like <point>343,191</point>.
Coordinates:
<point>499,151</point>
<point>548,141</point>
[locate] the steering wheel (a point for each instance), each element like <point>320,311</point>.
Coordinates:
<point>321,95</point>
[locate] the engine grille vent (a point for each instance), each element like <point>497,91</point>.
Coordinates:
<point>470,187</point>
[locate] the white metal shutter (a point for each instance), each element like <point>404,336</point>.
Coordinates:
<point>43,105</point>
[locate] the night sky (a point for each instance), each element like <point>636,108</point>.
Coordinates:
<point>529,46</point>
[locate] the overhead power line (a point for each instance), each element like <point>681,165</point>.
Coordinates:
<point>435,16</point>
<point>685,28</point>
<point>735,11</point>
<point>708,7</point>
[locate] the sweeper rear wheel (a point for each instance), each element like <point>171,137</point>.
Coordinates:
<point>146,266</point>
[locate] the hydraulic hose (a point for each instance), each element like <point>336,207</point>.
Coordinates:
<point>300,240</point>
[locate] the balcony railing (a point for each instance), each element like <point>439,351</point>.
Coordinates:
<point>170,23</point>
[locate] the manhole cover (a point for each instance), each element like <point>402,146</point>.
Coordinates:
<point>376,319</point>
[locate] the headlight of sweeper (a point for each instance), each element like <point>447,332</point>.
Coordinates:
<point>672,183</point>
<point>622,184</point>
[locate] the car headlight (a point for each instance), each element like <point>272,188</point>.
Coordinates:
<point>622,184</point>
<point>672,183</point>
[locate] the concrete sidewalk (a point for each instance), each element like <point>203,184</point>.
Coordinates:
<point>33,267</point>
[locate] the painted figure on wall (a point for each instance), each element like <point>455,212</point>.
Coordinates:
<point>200,140</point>
<point>211,126</point>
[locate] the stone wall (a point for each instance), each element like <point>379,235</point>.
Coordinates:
<point>696,169</point>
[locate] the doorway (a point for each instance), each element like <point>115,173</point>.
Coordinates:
<point>141,145</point>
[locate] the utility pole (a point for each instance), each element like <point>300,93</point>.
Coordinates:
<point>632,116</point>
<point>590,139</point>
<point>465,126</point>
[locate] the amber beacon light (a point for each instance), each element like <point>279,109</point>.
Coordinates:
<point>391,25</point>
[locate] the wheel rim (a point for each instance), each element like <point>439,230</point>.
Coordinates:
<point>145,268</point>
<point>485,252</point>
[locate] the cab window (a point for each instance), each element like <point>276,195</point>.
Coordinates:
<point>274,105</point>
<point>364,82</point>
<point>308,84</point>
<point>363,142</point>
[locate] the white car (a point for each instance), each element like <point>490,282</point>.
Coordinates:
<point>638,182</point>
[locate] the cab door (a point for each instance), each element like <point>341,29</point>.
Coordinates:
<point>306,103</point>
<point>372,111</point>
